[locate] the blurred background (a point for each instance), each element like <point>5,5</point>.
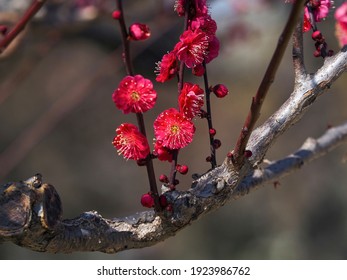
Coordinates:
<point>57,118</point>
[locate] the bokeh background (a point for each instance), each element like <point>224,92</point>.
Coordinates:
<point>57,118</point>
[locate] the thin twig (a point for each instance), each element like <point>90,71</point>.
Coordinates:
<point>209,118</point>
<point>125,40</point>
<point>258,99</point>
<point>180,76</point>
<point>28,15</point>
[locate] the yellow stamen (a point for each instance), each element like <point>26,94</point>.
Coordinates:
<point>135,96</point>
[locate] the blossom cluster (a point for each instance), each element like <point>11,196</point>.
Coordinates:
<point>319,10</point>
<point>173,128</point>
<point>196,45</point>
<point>316,11</point>
<point>135,94</point>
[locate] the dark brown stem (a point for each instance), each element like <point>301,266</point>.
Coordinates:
<point>312,20</point>
<point>125,40</point>
<point>173,171</point>
<point>28,15</point>
<point>258,99</point>
<point>149,166</point>
<point>180,76</point>
<point>209,118</point>
<point>139,116</point>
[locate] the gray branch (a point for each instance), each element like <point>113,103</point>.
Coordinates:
<point>306,90</point>
<point>30,211</point>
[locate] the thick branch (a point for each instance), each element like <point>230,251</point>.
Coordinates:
<point>305,93</point>
<point>25,212</point>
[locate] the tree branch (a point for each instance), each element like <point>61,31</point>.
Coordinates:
<point>30,211</point>
<point>28,15</point>
<point>305,93</point>
<point>311,149</point>
<point>27,226</point>
<point>25,220</point>
<point>298,55</point>
<point>269,77</point>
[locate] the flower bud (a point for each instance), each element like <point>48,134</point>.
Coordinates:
<point>217,143</point>
<point>116,14</point>
<point>317,53</point>
<point>139,31</point>
<point>147,200</point>
<point>163,178</point>
<point>317,35</point>
<point>183,169</point>
<point>248,154</point>
<point>212,131</point>
<point>220,90</point>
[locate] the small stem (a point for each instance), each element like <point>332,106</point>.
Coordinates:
<point>173,170</point>
<point>182,67</point>
<point>28,15</point>
<point>180,76</point>
<point>312,20</point>
<point>125,40</point>
<point>149,166</point>
<point>139,116</point>
<point>323,49</point>
<point>209,117</point>
<point>258,99</point>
